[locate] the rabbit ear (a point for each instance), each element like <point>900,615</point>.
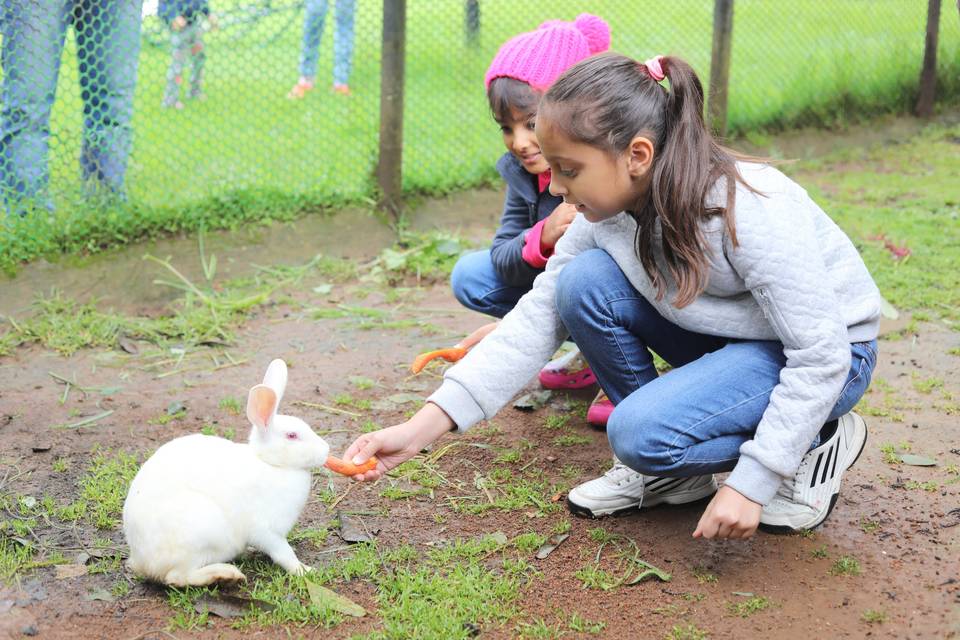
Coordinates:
<point>262,405</point>
<point>276,378</point>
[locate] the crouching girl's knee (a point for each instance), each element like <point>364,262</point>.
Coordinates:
<point>634,443</point>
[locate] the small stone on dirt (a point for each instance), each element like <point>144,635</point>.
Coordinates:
<point>353,530</point>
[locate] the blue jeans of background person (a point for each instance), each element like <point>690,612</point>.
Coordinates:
<point>316,13</point>
<point>693,419</point>
<point>477,286</point>
<point>108,47</point>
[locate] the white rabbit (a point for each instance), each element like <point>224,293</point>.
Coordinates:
<point>200,501</point>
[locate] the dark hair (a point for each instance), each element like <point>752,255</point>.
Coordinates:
<point>508,95</point>
<point>607,100</point>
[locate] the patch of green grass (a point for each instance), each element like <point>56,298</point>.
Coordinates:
<point>686,632</point>
<point>103,487</point>
<point>231,405</point>
<point>60,464</point>
<point>203,315</point>
<point>400,493</point>
<point>895,193</point>
<point>748,607</point>
<point>167,418</point>
<point>927,385</point>
<point>556,421</point>
<point>15,558</point>
<point>874,616</point>
<point>928,485</point>
<point>570,440</point>
<point>869,526</point>
<point>361,382</point>
<point>819,552</point>
<point>594,577</point>
<point>845,566</point>
<point>317,536</point>
<point>185,616</point>
<point>503,491</point>
<point>581,625</point>
<point>704,576</point>
<point>509,456</point>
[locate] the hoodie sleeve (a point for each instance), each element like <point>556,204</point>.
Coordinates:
<point>491,373</point>
<point>779,260</point>
<point>508,243</point>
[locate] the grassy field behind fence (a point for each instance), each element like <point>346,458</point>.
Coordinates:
<point>250,149</point>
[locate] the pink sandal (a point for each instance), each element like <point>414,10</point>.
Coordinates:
<point>599,411</point>
<point>569,371</point>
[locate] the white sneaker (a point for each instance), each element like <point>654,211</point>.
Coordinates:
<point>621,489</point>
<point>805,500</point>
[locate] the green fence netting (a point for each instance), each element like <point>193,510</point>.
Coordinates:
<point>173,103</point>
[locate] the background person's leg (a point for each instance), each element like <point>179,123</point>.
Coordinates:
<point>315,13</point>
<point>108,49</point>
<point>198,53</point>
<point>33,35</point>
<point>343,42</point>
<point>178,56</point>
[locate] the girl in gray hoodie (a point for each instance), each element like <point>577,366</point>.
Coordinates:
<point>720,264</point>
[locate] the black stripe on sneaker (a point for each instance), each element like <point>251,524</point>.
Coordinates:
<point>667,485</point>
<point>826,467</point>
<point>816,469</point>
<point>655,484</point>
<point>833,472</point>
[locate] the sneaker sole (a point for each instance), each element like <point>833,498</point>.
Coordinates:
<point>786,529</point>
<point>688,497</point>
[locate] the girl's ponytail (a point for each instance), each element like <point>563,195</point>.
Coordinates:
<point>690,163</point>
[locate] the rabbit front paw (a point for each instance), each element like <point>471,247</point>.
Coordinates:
<point>301,569</point>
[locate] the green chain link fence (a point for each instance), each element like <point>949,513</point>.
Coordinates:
<point>96,75</point>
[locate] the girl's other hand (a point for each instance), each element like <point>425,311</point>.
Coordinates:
<point>178,23</point>
<point>471,340</point>
<point>397,444</point>
<point>729,515</point>
<point>556,225</point>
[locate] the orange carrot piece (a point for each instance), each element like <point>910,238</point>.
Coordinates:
<point>348,468</point>
<point>450,355</point>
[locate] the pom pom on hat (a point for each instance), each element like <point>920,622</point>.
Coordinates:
<point>596,30</point>
<point>539,57</point>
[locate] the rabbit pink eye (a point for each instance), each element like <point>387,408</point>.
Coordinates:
<point>291,436</point>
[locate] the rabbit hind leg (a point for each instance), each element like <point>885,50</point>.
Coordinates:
<point>219,572</point>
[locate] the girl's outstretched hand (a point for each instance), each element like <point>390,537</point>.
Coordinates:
<point>729,515</point>
<point>397,444</point>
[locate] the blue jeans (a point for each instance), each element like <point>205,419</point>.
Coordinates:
<point>108,47</point>
<point>477,286</point>
<point>316,13</point>
<point>693,419</point>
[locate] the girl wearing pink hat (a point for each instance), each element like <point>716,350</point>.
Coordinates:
<point>493,280</point>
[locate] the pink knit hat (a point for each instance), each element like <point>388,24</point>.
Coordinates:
<point>539,57</point>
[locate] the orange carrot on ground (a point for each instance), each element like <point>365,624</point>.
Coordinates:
<point>451,354</point>
<point>348,468</point>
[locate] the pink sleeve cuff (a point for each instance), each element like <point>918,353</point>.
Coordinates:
<point>531,249</point>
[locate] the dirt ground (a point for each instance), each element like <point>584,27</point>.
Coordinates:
<point>901,523</point>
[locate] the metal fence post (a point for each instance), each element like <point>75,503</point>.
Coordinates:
<point>720,65</point>
<point>928,75</point>
<point>390,162</point>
